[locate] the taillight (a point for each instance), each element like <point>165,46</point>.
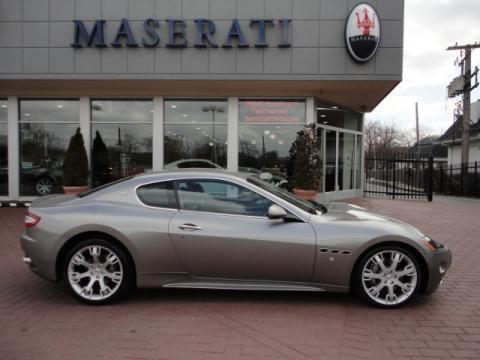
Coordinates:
<point>31,219</point>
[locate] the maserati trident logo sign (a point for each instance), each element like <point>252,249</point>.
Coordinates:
<point>362,33</point>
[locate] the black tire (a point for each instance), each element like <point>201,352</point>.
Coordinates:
<point>46,183</point>
<point>360,290</point>
<point>122,288</point>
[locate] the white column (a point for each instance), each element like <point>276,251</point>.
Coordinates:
<point>157,134</point>
<point>13,149</point>
<point>85,127</point>
<point>232,135</point>
<point>311,111</point>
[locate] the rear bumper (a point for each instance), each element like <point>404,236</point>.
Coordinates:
<point>438,262</point>
<point>36,258</point>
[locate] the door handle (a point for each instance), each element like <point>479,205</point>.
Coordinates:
<point>190,227</point>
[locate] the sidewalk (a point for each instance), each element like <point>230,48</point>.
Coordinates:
<point>39,320</point>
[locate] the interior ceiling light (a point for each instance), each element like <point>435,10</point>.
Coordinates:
<point>173,106</point>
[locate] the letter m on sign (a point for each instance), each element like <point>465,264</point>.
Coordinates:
<point>95,36</point>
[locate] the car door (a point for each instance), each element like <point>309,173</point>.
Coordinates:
<point>222,231</point>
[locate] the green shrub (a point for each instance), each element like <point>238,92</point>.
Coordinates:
<point>306,161</point>
<point>75,166</point>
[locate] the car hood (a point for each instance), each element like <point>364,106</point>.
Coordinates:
<point>354,216</point>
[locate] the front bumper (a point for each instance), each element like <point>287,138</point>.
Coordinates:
<point>438,263</point>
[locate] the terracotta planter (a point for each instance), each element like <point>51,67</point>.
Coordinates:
<point>305,194</point>
<point>74,190</point>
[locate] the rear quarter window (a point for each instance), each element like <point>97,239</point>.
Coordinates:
<point>161,195</point>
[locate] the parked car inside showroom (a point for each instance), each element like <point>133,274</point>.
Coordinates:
<point>217,230</point>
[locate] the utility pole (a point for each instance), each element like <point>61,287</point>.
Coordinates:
<point>466,71</point>
<point>418,131</point>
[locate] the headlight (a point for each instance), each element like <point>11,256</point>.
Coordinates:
<point>432,244</point>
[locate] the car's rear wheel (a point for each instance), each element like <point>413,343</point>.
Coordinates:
<point>98,272</point>
<point>388,276</point>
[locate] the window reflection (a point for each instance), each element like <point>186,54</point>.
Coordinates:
<point>123,111</point>
<point>46,127</point>
<point>267,129</point>
<point>47,111</point>
<point>346,161</point>
<point>330,159</point>
<point>195,129</point>
<point>121,139</point>
<point>358,166</point>
<point>3,160</point>
<point>208,142</point>
<point>341,118</point>
<point>3,148</point>
<point>266,147</point>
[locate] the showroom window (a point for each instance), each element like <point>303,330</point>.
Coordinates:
<point>266,131</point>
<point>121,138</point>
<point>195,129</point>
<point>46,127</point>
<point>3,147</point>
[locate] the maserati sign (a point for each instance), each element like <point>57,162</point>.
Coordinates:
<point>362,33</point>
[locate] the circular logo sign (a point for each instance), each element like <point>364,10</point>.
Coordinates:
<point>362,33</point>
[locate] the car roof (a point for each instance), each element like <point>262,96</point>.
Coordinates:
<point>190,173</point>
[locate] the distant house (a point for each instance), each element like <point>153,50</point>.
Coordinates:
<point>429,146</point>
<point>452,138</point>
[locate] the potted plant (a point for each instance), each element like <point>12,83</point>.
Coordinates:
<point>306,175</point>
<point>75,166</point>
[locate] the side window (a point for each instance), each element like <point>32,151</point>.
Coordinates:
<point>221,197</point>
<point>161,194</point>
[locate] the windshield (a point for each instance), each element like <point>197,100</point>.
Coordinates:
<point>309,206</point>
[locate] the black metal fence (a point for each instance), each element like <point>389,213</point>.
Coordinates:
<point>403,177</point>
<point>458,180</point>
<point>399,177</point>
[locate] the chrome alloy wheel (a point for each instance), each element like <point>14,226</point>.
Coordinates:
<point>95,272</point>
<point>44,186</point>
<point>389,277</point>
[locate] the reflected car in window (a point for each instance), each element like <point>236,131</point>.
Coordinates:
<point>42,180</point>
<point>192,164</point>
<point>217,230</point>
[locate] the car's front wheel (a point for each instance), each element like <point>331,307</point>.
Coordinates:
<point>388,276</point>
<point>97,272</point>
<point>44,186</point>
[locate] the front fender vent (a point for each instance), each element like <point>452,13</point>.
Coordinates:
<point>334,251</point>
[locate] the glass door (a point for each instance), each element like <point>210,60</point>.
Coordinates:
<point>330,160</point>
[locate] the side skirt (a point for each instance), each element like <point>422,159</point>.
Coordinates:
<point>184,281</point>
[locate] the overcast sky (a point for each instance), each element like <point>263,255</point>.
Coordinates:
<point>430,27</point>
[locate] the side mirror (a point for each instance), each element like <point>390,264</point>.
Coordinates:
<point>276,212</point>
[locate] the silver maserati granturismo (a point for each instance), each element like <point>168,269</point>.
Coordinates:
<point>216,230</point>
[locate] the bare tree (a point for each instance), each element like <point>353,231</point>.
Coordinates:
<point>383,140</point>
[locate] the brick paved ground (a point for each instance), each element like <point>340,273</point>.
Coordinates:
<point>39,320</point>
